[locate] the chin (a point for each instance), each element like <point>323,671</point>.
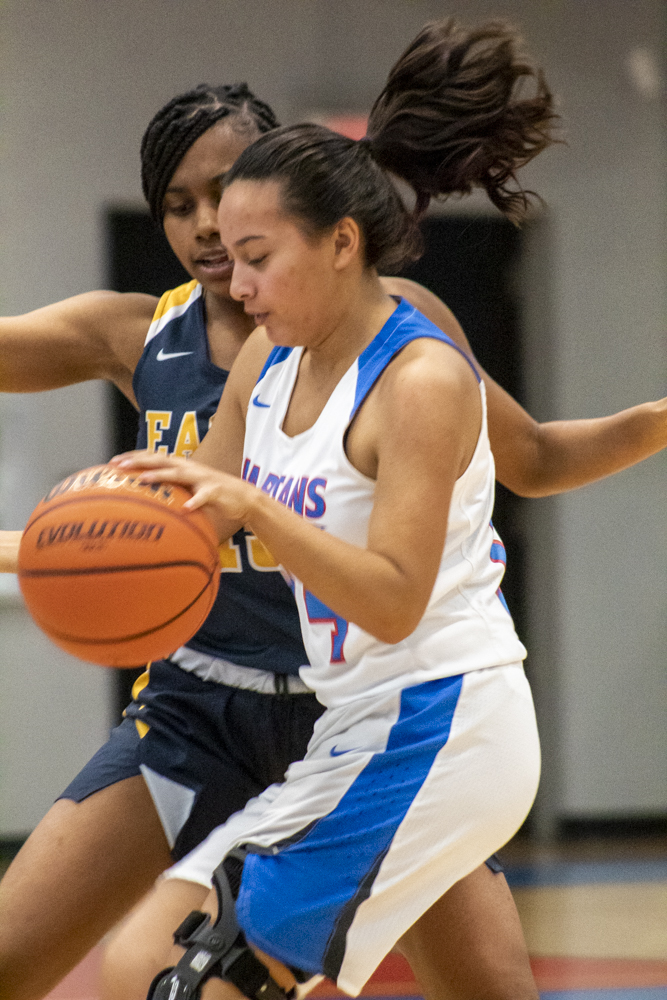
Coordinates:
<point>282,337</point>
<point>222,289</point>
<point>276,337</point>
<point>219,285</point>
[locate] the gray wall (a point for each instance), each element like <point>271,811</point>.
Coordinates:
<point>79,81</point>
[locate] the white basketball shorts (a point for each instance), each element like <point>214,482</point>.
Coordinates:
<point>398,798</point>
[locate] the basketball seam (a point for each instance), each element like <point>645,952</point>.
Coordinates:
<point>178,515</point>
<point>66,637</point>
<point>132,567</point>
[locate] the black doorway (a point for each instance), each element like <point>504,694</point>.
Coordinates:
<point>472,263</point>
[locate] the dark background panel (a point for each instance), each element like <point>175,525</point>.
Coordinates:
<point>471,263</point>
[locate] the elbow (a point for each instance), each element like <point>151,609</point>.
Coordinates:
<point>530,489</point>
<point>394,628</point>
<point>525,463</point>
<point>533,487</point>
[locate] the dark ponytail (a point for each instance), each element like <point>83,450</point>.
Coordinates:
<point>453,115</point>
<point>183,120</point>
<point>450,118</point>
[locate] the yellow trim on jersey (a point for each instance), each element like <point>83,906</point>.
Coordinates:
<point>138,686</point>
<point>175,299</point>
<point>142,728</point>
<point>141,682</point>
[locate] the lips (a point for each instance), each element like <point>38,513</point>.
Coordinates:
<point>213,259</point>
<point>216,264</point>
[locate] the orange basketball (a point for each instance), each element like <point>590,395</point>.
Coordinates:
<point>116,571</point>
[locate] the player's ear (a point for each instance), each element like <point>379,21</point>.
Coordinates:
<point>347,242</point>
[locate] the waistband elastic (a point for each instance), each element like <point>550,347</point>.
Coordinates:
<point>212,668</point>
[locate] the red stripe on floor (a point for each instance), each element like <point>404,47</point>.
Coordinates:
<point>394,977</point>
<point>597,973</point>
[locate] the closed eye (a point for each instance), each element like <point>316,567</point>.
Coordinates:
<point>182,210</point>
<point>257,260</point>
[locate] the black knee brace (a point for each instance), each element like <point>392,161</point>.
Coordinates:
<point>217,950</point>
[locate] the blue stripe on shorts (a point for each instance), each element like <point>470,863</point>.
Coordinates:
<point>299,903</point>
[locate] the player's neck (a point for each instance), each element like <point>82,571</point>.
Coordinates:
<point>365,308</point>
<point>227,328</point>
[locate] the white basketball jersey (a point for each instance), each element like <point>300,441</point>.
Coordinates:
<point>466,625</point>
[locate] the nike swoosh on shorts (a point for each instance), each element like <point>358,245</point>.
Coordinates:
<point>161,356</point>
<point>256,402</point>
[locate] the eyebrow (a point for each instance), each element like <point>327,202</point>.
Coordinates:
<point>218,178</point>
<point>242,242</point>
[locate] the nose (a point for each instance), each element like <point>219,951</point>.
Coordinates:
<point>207,219</point>
<point>241,287</point>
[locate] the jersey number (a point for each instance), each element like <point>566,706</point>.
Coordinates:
<point>319,612</point>
<point>259,557</point>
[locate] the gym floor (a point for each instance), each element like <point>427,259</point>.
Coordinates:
<point>594,913</point>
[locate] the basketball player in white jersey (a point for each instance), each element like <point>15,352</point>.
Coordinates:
<point>360,433</point>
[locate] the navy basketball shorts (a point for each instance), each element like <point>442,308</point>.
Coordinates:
<point>203,748</point>
<point>399,797</point>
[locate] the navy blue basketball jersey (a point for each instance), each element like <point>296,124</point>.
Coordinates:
<point>254,621</point>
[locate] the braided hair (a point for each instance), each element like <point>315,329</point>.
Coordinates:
<point>176,126</point>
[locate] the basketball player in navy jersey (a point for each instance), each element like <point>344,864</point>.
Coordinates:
<point>114,844</point>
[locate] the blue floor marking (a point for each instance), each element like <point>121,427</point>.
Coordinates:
<point>546,873</point>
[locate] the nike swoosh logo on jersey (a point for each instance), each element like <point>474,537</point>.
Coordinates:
<point>161,356</point>
<point>338,753</point>
<point>256,402</point>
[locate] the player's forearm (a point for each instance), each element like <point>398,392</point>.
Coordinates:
<point>9,550</point>
<point>567,454</point>
<point>361,586</point>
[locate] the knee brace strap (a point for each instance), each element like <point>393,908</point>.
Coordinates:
<point>218,949</point>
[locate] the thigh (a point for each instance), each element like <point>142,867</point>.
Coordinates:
<point>470,944</point>
<point>142,946</point>
<point>84,866</point>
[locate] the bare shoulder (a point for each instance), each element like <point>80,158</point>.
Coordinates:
<point>426,407</point>
<point>427,366</point>
<point>120,319</point>
<point>111,326</point>
<point>426,391</point>
<point>223,445</point>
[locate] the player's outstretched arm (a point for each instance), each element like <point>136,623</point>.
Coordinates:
<point>539,459</point>
<point>90,336</point>
<point>9,550</point>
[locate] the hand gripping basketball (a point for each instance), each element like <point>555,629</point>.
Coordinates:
<point>115,570</point>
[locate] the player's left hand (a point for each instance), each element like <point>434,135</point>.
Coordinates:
<point>227,495</point>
